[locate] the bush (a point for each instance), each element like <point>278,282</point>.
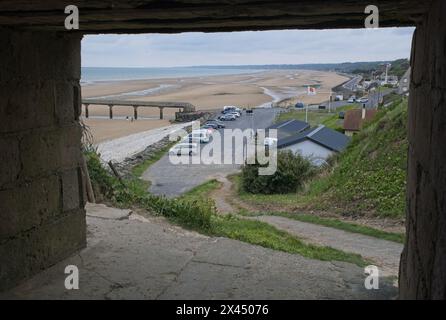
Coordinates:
<point>133,192</point>
<point>292,171</point>
<point>101,180</point>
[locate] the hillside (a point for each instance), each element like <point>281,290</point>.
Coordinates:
<point>370,176</point>
<point>347,67</point>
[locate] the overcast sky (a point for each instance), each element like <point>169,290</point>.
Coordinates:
<point>240,48</point>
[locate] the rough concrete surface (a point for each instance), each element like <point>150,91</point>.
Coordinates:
<point>208,15</point>
<point>423,263</point>
<point>147,258</point>
<point>101,211</point>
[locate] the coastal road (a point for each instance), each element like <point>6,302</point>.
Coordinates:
<point>374,98</point>
<point>172,180</point>
<point>351,85</point>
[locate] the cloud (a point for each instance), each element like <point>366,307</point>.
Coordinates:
<point>251,47</point>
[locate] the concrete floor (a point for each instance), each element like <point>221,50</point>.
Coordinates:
<point>132,257</point>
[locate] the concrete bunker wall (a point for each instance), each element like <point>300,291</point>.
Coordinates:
<point>423,262</point>
<point>42,216</point>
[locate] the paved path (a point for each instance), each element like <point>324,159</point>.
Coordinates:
<point>385,254</point>
<point>174,179</point>
<point>147,258</point>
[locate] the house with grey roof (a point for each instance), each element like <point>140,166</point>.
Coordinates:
<point>404,83</point>
<point>288,128</point>
<point>317,143</point>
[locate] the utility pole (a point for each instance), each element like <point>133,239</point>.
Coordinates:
<point>306,113</point>
<point>329,101</point>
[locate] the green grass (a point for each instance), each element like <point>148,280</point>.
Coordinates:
<point>265,235</point>
<point>289,200</point>
<point>342,225</point>
<point>370,176</point>
<point>195,211</point>
<point>316,117</point>
<point>202,191</point>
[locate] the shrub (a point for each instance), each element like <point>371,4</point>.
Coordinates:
<point>292,171</point>
<point>101,180</point>
<point>133,192</point>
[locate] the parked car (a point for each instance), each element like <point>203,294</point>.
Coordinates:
<point>322,107</point>
<point>210,125</point>
<point>197,137</point>
<point>341,115</point>
<point>249,111</point>
<point>235,113</point>
<point>352,99</point>
<point>227,117</point>
<point>299,105</point>
<point>217,122</point>
<point>182,149</point>
<point>232,108</point>
<point>362,100</point>
<point>269,142</point>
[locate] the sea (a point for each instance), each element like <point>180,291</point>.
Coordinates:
<point>96,74</point>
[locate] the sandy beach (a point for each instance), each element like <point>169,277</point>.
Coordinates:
<point>206,93</point>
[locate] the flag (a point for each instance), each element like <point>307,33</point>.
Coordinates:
<point>311,91</point>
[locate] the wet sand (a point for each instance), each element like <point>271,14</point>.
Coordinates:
<point>206,93</point>
<point>106,129</point>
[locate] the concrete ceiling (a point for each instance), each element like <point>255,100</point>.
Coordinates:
<point>168,16</point>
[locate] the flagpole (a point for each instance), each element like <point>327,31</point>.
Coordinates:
<point>306,113</point>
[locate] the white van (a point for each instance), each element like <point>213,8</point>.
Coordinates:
<point>182,149</point>
<point>269,142</point>
<point>232,108</point>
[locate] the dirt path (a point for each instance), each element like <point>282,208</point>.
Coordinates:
<point>224,198</point>
<point>383,253</point>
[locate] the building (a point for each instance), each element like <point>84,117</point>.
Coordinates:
<point>288,128</point>
<point>355,119</point>
<point>404,83</point>
<point>390,80</point>
<point>317,144</point>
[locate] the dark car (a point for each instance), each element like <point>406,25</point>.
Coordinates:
<point>322,107</point>
<point>341,115</point>
<point>299,105</point>
<point>210,125</point>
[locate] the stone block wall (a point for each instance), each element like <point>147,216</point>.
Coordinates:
<point>423,262</point>
<point>42,216</point>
